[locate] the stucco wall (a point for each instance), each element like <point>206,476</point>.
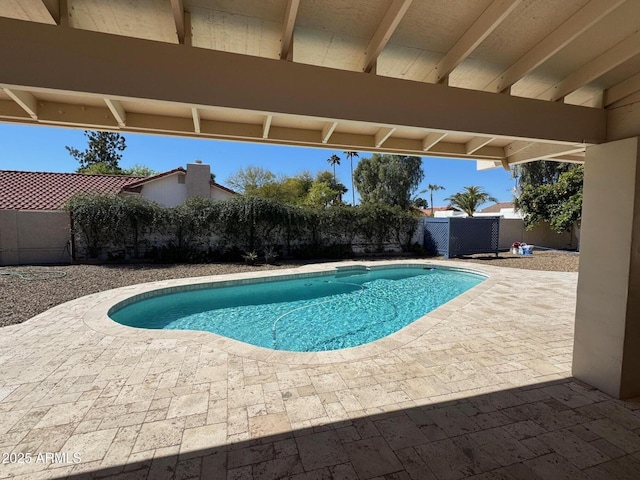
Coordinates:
<point>166,191</point>
<point>34,237</point>
<point>513,230</point>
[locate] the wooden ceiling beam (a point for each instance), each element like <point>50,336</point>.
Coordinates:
<point>586,17</point>
<point>26,101</point>
<point>493,16</point>
<point>383,33</point>
<point>622,90</point>
<point>118,111</point>
<point>594,69</point>
<point>286,39</point>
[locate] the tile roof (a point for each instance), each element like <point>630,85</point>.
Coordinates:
<point>49,191</point>
<point>427,211</point>
<point>141,181</point>
<point>496,207</point>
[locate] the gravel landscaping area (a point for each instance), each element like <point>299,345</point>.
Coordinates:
<point>36,289</point>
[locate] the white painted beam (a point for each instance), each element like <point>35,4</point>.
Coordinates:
<point>474,36</point>
<point>515,147</point>
<point>622,90</point>
<point>629,100</point>
<point>195,114</point>
<point>586,17</point>
<point>568,158</point>
<point>26,101</point>
<point>327,131</point>
<point>487,164</point>
<point>270,86</point>
<point>118,112</point>
<point>597,67</point>
<point>266,125</point>
<point>476,144</point>
<point>384,32</point>
<point>623,122</point>
<point>382,135</point>
<point>543,151</point>
<point>286,39</point>
<point>100,118</point>
<point>177,8</point>
<point>430,140</point>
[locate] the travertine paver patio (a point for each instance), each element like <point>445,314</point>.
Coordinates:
<point>479,388</point>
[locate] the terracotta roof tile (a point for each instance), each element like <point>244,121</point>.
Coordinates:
<point>49,191</point>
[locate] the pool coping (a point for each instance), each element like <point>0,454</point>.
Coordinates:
<point>100,304</point>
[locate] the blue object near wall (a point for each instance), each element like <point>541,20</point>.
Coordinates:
<point>455,236</point>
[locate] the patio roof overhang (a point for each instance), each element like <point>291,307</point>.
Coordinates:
<point>501,82</point>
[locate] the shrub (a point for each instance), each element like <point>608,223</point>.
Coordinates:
<point>251,222</point>
<point>375,220</point>
<point>96,219</point>
<point>194,219</point>
<point>404,224</point>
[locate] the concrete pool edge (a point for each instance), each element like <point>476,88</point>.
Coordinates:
<point>95,308</point>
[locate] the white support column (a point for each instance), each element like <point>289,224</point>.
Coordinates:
<point>607,327</point>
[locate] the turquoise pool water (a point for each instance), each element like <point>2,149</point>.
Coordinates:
<point>310,314</point>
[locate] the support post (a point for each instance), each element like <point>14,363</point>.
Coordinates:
<point>607,327</point>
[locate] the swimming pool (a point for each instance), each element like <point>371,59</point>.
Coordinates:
<point>331,310</point>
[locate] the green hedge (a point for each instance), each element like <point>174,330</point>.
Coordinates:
<point>119,223</point>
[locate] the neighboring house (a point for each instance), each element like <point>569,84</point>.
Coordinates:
<point>501,209</point>
<point>35,229</point>
<point>427,211</point>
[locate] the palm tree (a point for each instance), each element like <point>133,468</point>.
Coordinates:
<point>350,156</point>
<point>333,161</point>
<point>470,199</point>
<point>432,187</point>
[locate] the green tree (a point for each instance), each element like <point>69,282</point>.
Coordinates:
<point>419,202</point>
<point>470,199</point>
<point>333,161</point>
<point>249,179</point>
<point>350,156</point>
<point>303,189</point>
<point>540,173</point>
<point>432,187</point>
<point>337,187</point>
<point>555,201</point>
<point>100,169</point>
<point>103,147</point>
<point>139,171</point>
<point>320,195</point>
<point>388,179</point>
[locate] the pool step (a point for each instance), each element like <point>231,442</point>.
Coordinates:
<point>350,270</point>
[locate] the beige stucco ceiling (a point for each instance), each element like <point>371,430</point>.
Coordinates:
<point>574,52</point>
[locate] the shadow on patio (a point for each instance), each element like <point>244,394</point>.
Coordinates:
<point>563,429</point>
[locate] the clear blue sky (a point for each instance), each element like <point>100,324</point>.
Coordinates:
<point>40,148</point>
